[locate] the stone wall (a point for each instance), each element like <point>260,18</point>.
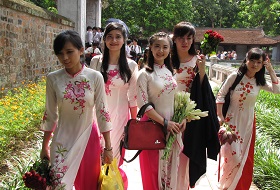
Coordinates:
<point>26,36</point>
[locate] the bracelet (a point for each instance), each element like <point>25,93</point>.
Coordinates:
<point>108,149</point>
<point>165,123</point>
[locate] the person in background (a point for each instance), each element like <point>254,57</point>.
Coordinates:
<point>157,85</point>
<point>191,77</point>
<point>135,47</point>
<point>91,52</point>
<point>143,60</point>
<point>120,75</point>
<point>127,48</point>
<point>71,95</point>
<point>237,158</point>
<point>89,37</point>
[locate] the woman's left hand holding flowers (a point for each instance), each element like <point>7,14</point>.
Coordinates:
<point>173,127</point>
<point>200,62</point>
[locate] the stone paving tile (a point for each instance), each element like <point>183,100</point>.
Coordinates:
<point>207,182</point>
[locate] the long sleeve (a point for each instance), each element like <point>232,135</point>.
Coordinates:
<point>142,95</point>
<point>272,87</point>
<point>132,90</point>
<point>225,88</point>
<point>51,108</point>
<point>102,113</point>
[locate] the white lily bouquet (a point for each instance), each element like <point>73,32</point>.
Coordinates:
<point>184,108</point>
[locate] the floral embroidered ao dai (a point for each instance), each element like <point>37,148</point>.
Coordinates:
<point>184,77</point>
<point>240,117</point>
<point>159,88</point>
<point>120,97</point>
<point>69,115</point>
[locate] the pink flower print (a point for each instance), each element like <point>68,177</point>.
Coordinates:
<point>76,93</point>
<point>144,98</point>
<point>180,70</point>
<point>169,85</point>
<point>246,89</point>
<point>104,113</point>
<point>111,75</point>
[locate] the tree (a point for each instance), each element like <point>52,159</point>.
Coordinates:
<point>145,17</point>
<point>215,13</point>
<point>259,13</point>
<point>46,4</point>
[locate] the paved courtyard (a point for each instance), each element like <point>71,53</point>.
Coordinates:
<point>206,182</point>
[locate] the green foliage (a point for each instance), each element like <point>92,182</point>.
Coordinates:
<point>46,4</point>
<point>20,164</point>
<point>145,17</point>
<point>21,112</point>
<point>267,111</point>
<point>259,13</point>
<point>267,163</point>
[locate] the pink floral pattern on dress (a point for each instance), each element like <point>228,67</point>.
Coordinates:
<point>75,92</point>
<point>169,85</point>
<point>233,128</point>
<point>111,75</point>
<point>105,113</point>
<point>58,170</point>
<point>246,89</point>
<point>189,78</point>
<point>144,98</point>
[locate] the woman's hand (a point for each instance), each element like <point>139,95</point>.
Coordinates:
<point>183,125</point>
<point>173,127</point>
<point>45,153</point>
<point>221,119</point>
<point>107,156</point>
<point>268,65</point>
<point>200,62</point>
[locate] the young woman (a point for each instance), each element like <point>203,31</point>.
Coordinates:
<point>237,159</point>
<point>191,77</point>
<point>157,85</point>
<point>71,95</point>
<point>120,75</point>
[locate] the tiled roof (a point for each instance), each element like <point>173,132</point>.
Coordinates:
<point>242,36</point>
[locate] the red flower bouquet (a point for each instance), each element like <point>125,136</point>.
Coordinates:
<point>210,42</point>
<point>38,177</point>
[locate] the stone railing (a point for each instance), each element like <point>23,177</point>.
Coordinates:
<point>219,72</point>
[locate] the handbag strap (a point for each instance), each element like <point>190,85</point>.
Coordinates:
<point>139,115</point>
<point>236,81</point>
<point>133,158</point>
<point>143,108</point>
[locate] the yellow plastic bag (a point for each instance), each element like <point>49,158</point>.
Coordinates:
<point>110,177</point>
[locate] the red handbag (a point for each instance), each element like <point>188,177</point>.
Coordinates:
<point>143,135</point>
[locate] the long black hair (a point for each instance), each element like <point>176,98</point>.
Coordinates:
<point>67,36</point>
<point>180,30</point>
<point>124,69</point>
<point>255,54</point>
<point>151,60</point>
